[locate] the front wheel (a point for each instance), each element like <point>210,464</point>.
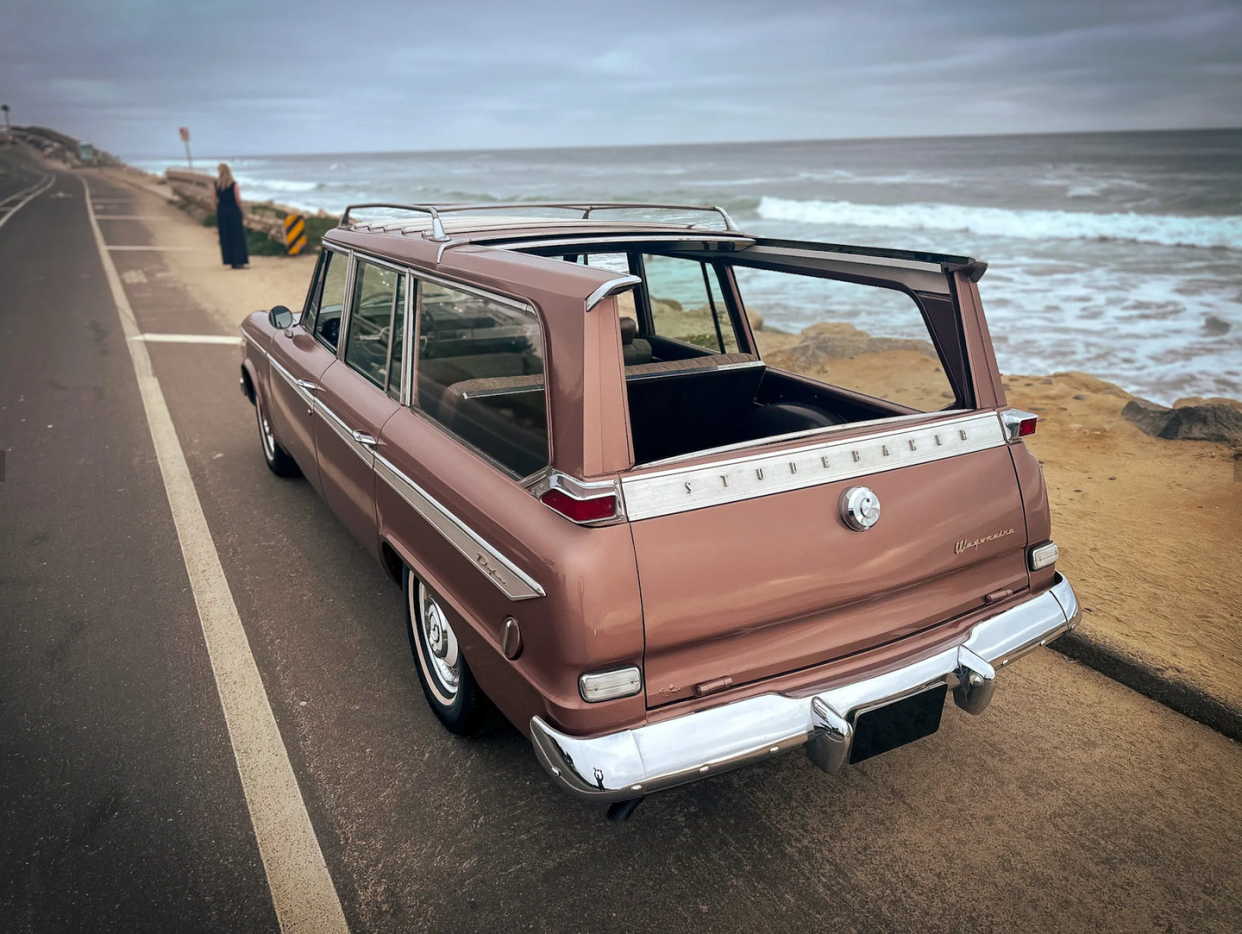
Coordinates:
<point>278,459</point>
<point>447,681</point>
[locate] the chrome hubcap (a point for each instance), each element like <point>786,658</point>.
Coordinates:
<point>441,642</point>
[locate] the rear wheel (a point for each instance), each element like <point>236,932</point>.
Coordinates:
<point>447,681</point>
<point>278,460</point>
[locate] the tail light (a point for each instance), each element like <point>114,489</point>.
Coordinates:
<point>581,510</point>
<point>587,502</point>
<point>1018,424</point>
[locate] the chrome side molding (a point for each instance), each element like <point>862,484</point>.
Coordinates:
<point>638,761</point>
<point>506,576</point>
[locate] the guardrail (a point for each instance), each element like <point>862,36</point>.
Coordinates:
<point>283,224</point>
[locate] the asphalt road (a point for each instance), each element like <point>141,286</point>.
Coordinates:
<point>1071,804</point>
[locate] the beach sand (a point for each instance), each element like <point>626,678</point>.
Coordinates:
<point>1150,530</point>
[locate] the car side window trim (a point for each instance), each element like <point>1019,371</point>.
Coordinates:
<point>322,279</point>
<point>414,335</point>
<point>310,306</point>
<point>347,304</point>
<point>398,312</point>
<point>413,293</point>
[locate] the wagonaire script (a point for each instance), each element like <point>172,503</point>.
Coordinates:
<point>963,545</point>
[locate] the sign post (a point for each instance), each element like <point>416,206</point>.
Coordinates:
<point>185,138</point>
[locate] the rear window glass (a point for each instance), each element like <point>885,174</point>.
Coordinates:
<point>858,337</point>
<point>480,374</point>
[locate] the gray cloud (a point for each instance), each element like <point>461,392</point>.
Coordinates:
<point>323,77</point>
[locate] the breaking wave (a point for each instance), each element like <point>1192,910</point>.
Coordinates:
<point>1160,229</point>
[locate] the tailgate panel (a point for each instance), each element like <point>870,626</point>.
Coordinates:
<point>768,584</point>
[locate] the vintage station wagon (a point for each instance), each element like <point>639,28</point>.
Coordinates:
<point>673,498</point>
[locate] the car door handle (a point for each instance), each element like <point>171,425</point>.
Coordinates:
<point>307,385</point>
<point>363,438</point>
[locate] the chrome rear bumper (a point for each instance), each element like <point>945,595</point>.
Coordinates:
<point>649,758</point>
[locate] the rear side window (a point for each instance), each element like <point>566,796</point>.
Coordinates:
<point>687,304</point>
<point>325,323</point>
<point>859,337</point>
<point>481,375</point>
<point>378,303</point>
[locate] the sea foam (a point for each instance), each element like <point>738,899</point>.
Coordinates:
<point>1161,229</point>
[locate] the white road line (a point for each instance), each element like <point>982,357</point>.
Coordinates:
<point>132,217</point>
<point>188,339</point>
<point>35,190</point>
<point>157,249</point>
<point>302,890</point>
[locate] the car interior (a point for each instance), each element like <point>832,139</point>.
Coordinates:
<point>691,392</point>
<point>694,379</point>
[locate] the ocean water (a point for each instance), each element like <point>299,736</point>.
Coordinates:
<point>1116,253</point>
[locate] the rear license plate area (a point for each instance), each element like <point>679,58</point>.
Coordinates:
<point>885,728</point>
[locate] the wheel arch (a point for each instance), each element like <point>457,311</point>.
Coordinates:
<point>249,381</point>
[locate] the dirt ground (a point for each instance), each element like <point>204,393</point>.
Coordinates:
<point>1150,530</point>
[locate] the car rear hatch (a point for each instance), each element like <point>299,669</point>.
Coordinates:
<point>748,568</point>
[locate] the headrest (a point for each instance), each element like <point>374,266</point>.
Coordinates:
<point>629,330</point>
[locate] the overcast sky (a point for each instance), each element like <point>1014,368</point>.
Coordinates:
<point>311,76</point>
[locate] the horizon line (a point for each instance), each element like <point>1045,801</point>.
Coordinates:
<point>756,142</point>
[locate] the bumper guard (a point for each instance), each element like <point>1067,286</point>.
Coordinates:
<point>637,762</point>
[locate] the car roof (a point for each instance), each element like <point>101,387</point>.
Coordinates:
<point>423,233</point>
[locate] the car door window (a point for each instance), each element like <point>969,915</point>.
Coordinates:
<point>377,290</point>
<point>687,304</point>
<point>481,375</point>
<point>331,299</point>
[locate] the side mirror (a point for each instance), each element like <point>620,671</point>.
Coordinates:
<point>280,317</point>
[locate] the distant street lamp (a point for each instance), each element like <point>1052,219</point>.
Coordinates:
<point>185,138</point>
<point>8,130</point>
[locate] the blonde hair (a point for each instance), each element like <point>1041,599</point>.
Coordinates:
<point>224,180</point>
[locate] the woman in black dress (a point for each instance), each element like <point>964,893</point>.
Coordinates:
<point>229,220</point>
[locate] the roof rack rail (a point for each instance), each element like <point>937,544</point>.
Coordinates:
<point>437,226</point>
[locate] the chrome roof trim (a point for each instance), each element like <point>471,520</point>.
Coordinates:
<point>435,210</point>
<point>700,486</point>
<point>611,287</point>
<point>621,236</point>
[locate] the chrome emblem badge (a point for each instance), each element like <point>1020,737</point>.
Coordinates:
<point>860,508</point>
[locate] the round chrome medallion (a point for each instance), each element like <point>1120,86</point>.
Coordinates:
<point>860,508</point>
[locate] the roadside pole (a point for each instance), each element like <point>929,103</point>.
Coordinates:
<point>185,138</point>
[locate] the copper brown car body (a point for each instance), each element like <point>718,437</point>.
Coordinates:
<point>685,535</point>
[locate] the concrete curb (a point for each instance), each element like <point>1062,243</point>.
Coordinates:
<point>1150,681</point>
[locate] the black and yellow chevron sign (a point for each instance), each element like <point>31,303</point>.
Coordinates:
<point>295,234</point>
